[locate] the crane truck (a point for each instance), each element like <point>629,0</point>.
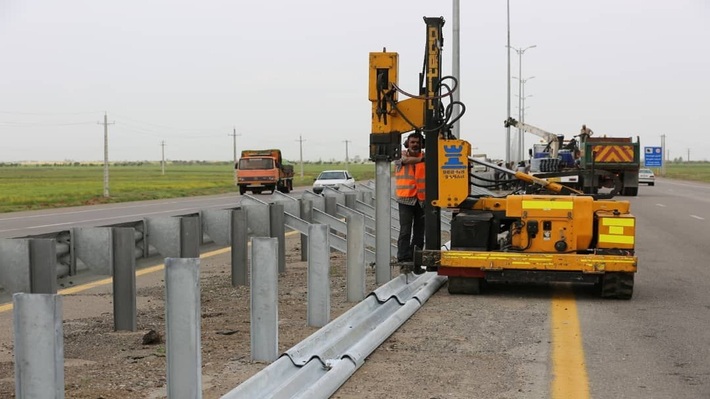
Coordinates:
<point>578,237</point>
<point>587,165</point>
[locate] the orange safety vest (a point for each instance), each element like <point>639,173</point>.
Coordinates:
<point>410,180</point>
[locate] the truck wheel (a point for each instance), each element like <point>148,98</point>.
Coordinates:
<point>630,191</point>
<point>464,286</point>
<point>242,190</point>
<point>617,285</point>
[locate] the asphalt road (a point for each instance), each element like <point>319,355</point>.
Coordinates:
<point>658,344</point>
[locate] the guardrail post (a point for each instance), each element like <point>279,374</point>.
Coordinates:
<point>355,272</point>
<point>39,346</point>
<point>383,213</point>
<point>182,321</point>
<point>124,279</point>
<point>350,200</point>
<point>331,206</point>
<point>307,215</point>
<point>264,299</point>
<point>240,243</point>
<point>190,237</point>
<point>43,266</point>
<point>318,312</point>
<point>278,230</point>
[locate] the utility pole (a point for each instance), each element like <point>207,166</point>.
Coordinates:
<point>234,141</point>
<point>162,162</point>
<point>663,154</point>
<point>347,159</point>
<point>688,155</point>
<point>300,141</point>
<point>105,123</point>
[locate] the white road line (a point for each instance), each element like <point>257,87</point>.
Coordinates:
<point>661,205</point>
<point>697,217</point>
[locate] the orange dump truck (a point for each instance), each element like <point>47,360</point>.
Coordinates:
<point>259,170</point>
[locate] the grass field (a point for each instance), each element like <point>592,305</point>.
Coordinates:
<point>40,187</point>
<point>46,186</point>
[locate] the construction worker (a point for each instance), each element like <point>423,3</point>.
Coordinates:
<point>584,133</point>
<point>409,173</point>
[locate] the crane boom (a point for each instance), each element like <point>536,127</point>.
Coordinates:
<point>554,141</point>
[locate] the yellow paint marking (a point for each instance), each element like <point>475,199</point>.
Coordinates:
<point>616,230</point>
<point>569,369</point>
<point>618,222</point>
<point>531,204</point>
<point>150,269</point>
<point>614,239</point>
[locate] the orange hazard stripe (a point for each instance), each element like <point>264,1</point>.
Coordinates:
<point>613,153</point>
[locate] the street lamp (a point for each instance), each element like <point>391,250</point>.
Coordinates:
<point>520,52</point>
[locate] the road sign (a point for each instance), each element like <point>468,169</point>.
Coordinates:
<point>653,157</point>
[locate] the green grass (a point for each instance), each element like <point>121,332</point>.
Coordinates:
<point>52,186</point>
<point>695,171</point>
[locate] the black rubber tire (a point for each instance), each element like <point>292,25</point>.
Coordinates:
<point>617,285</point>
<point>630,191</point>
<point>651,184</point>
<point>464,285</point>
<point>242,190</point>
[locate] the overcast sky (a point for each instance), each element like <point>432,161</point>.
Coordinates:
<point>187,73</point>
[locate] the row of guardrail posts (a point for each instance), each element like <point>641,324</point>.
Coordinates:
<point>39,354</point>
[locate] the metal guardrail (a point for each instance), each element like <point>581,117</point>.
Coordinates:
<point>340,347</point>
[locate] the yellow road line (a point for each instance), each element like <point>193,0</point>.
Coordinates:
<point>569,378</point>
<point>98,283</point>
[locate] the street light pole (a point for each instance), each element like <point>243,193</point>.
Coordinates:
<point>521,112</point>
<point>520,52</point>
<point>507,131</point>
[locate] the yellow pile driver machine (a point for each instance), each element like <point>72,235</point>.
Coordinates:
<point>529,238</point>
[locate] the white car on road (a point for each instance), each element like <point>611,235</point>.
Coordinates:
<point>646,176</point>
<point>333,179</point>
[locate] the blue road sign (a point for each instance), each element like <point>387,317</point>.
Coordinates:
<point>653,157</point>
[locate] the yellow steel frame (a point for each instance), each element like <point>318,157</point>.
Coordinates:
<point>494,261</point>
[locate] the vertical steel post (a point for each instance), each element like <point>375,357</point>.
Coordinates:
<point>383,222</point>
<point>43,266</point>
<point>182,324</point>
<point>278,231</point>
<point>240,244</point>
<point>264,299</point>
<point>318,312</point>
<point>307,215</point>
<point>355,268</point>
<point>190,237</point>
<point>39,346</point>
<point>124,279</point>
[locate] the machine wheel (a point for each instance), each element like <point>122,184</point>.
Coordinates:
<point>271,187</point>
<point>617,285</point>
<point>242,190</point>
<point>464,285</point>
<point>651,184</point>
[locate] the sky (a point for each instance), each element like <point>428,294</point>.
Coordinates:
<point>182,76</point>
